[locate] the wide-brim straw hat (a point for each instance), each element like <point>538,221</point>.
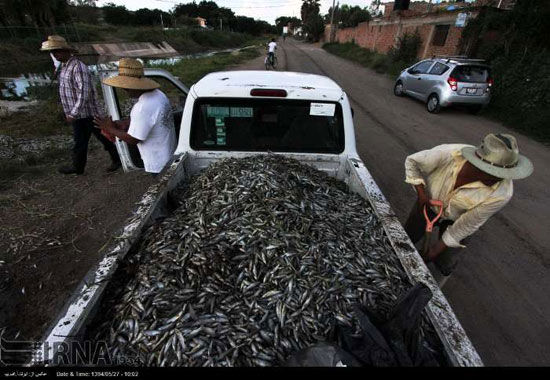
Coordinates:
<point>131,76</point>
<point>56,42</point>
<point>498,155</point>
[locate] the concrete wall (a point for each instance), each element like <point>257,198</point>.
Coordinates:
<point>127,49</point>
<point>380,35</point>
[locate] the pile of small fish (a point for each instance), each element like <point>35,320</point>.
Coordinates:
<point>263,257</point>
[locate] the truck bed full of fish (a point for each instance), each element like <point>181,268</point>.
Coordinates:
<point>263,257</point>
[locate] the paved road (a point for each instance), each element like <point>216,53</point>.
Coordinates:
<point>501,290</point>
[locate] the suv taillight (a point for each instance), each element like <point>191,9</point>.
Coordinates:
<point>452,82</point>
<point>489,84</point>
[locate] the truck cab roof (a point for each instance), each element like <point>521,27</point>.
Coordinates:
<point>238,84</point>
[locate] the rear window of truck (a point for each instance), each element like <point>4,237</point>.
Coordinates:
<point>276,125</point>
<point>471,74</point>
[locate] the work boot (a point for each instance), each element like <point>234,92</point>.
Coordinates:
<point>69,170</point>
<point>114,167</point>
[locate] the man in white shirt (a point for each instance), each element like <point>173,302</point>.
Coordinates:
<point>473,183</point>
<point>271,47</point>
<point>151,121</point>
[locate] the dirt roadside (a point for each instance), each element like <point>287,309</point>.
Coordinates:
<point>53,229</point>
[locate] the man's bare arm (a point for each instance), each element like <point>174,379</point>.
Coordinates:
<point>108,125</point>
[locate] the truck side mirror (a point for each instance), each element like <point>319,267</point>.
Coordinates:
<point>352,112</point>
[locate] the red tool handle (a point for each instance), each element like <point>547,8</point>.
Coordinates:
<point>430,223</point>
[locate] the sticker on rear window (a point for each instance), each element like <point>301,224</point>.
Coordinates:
<point>241,112</point>
<point>322,109</point>
<point>217,111</point>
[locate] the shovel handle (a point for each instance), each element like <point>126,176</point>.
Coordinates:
<point>430,223</point>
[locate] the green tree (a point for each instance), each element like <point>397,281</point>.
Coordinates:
<point>309,7</point>
<point>118,14</point>
<point>187,10</point>
<point>346,16</point>
<point>85,3</point>
<point>313,23</point>
<point>282,21</point>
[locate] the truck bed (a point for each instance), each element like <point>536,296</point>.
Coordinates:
<point>80,308</point>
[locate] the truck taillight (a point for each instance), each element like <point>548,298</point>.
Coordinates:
<point>268,92</point>
<point>490,82</point>
<point>452,82</point>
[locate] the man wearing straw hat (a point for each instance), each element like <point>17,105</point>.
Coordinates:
<point>151,120</point>
<point>472,182</point>
<point>79,101</point>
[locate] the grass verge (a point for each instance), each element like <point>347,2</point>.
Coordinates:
<point>381,63</point>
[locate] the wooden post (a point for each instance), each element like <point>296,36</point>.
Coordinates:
<point>332,23</point>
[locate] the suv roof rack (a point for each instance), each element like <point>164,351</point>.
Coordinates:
<point>457,58</point>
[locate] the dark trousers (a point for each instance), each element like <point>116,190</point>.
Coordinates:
<point>82,130</point>
<point>415,226</point>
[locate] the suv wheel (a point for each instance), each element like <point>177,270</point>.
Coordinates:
<point>398,89</point>
<point>432,104</point>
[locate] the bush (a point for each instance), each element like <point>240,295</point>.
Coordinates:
<point>406,49</point>
<point>380,63</point>
<point>519,57</point>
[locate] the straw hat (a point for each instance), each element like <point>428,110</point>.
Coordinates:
<point>498,155</point>
<point>56,42</point>
<point>131,76</point>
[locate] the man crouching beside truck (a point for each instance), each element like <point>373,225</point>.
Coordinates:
<point>151,121</point>
<point>473,183</point>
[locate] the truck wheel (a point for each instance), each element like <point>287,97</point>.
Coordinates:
<point>398,89</point>
<point>432,104</point>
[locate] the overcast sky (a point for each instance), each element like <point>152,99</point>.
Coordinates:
<point>267,10</point>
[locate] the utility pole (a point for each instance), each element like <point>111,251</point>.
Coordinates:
<point>161,23</point>
<point>332,22</point>
<point>221,24</point>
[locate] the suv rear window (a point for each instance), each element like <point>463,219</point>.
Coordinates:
<point>267,125</point>
<point>471,74</point>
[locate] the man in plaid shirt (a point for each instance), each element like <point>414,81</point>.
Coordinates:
<point>79,101</point>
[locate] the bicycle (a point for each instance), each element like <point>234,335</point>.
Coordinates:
<point>271,62</point>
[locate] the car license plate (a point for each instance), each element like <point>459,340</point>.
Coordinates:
<point>471,90</point>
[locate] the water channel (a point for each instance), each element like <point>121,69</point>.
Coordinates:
<point>17,79</point>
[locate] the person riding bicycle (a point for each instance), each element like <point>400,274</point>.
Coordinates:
<point>271,47</point>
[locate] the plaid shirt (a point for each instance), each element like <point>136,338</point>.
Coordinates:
<point>76,90</point>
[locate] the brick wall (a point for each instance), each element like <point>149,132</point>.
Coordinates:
<point>382,34</point>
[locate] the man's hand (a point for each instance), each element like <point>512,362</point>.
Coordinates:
<point>69,119</point>
<point>435,251</point>
<point>423,198</point>
<point>106,123</point>
<point>123,124</point>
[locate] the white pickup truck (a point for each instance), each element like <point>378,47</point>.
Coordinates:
<point>241,113</point>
